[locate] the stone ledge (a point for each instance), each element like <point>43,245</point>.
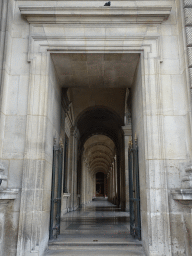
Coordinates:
<point>8,194</point>
<point>183,196</point>
<point>100,15</point>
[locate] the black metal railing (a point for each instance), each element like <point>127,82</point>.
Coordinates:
<point>134,191</point>
<point>56,190</point>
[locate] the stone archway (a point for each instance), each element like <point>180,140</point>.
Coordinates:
<point>98,121</point>
<point>32,233</point>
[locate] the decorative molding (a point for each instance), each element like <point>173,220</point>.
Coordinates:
<point>183,196</point>
<point>2,175</point>
<point>100,15</point>
<point>127,129</point>
<point>63,44</point>
<point>9,194</point>
<point>186,182</point>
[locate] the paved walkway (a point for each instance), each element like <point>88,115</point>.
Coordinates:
<point>99,228</point>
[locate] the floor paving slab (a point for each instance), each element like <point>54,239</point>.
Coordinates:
<point>99,228</point>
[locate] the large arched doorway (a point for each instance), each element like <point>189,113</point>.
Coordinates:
<point>100,131</point>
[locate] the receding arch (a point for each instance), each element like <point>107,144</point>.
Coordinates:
<point>99,120</point>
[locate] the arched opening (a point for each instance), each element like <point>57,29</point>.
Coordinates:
<point>98,130</point>
<point>99,168</point>
<point>101,143</point>
<point>100,186</point>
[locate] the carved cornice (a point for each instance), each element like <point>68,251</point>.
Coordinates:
<point>88,15</point>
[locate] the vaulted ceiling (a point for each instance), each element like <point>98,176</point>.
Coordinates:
<point>99,151</point>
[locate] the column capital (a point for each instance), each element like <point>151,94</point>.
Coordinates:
<point>127,129</point>
<point>74,131</point>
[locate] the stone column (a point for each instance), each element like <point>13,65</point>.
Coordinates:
<point>111,186</point>
<point>73,168</point>
<point>76,135</point>
<point>90,187</point>
<point>94,185</point>
<point>63,200</point>
<point>127,137</point>
<point>34,216</point>
<point>82,197</point>
<point>86,183</point>
<point>83,181</point>
<point>113,178</point>
<point>116,181</point>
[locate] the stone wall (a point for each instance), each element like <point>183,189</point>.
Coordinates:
<point>13,109</point>
<point>31,110</point>
<point>138,133</point>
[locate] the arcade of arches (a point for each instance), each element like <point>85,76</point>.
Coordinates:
<point>97,118</point>
<point>97,125</point>
<point>90,158</point>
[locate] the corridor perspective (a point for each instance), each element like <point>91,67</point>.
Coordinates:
<point>95,191</point>
<point>99,228</point>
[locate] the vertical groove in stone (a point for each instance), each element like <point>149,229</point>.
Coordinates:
<point>3,25</point>
<point>187,4</point>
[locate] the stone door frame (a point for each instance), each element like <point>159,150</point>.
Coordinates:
<point>41,47</point>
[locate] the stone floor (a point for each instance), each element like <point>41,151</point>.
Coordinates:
<point>99,228</point>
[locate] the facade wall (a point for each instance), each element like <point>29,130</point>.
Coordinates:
<point>31,118</point>
<point>165,126</point>
<point>13,109</point>
<point>181,228</point>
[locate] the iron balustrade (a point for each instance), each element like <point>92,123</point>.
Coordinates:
<point>56,191</point>
<point>134,191</point>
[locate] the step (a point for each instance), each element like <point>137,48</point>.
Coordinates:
<point>128,250</point>
<point>94,243</point>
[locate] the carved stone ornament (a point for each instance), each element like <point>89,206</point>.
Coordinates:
<point>184,195</point>
<point>2,176</point>
<point>187,179</point>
